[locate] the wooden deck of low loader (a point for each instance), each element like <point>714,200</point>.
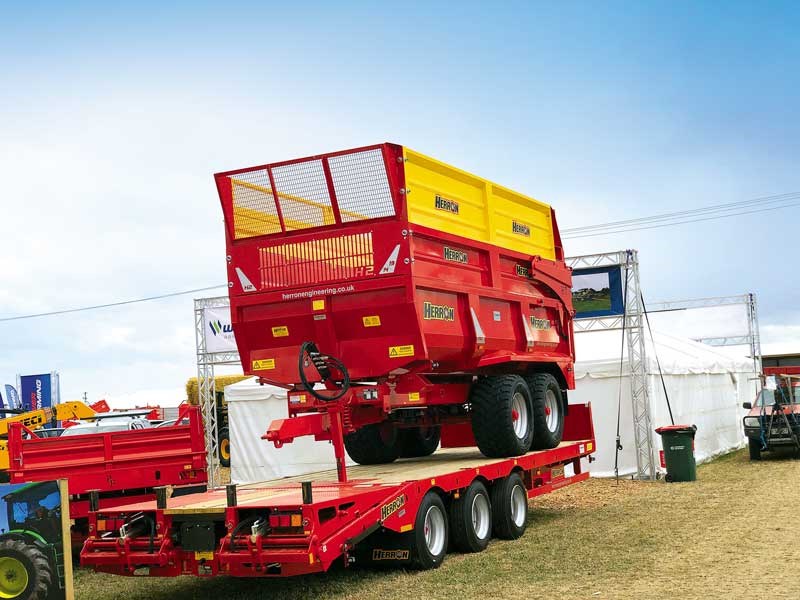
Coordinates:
<point>406,512</point>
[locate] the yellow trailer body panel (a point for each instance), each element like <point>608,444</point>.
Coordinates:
<point>451,200</point>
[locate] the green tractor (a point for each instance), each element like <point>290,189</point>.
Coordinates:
<point>31,550</point>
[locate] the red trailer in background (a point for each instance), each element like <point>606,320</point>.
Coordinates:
<point>113,468</point>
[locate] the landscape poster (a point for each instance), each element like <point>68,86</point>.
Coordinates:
<point>597,292</point>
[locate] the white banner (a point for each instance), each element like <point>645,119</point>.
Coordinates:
<point>218,330</point>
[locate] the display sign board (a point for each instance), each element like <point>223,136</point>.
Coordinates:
<point>218,330</point>
<point>35,541</point>
<point>39,391</point>
<point>597,292</point>
<point>12,397</point>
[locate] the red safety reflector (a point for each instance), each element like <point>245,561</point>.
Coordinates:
<point>274,521</point>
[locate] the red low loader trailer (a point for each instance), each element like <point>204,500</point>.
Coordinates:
<point>108,469</point>
<point>431,303</point>
<point>408,513</point>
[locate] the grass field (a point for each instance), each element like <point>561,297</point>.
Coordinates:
<point>598,539</point>
<point>584,306</point>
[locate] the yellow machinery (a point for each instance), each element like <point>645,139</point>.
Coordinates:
<point>36,419</point>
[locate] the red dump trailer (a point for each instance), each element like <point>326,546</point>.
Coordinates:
<point>431,303</point>
<point>407,513</point>
<point>113,468</point>
<point>405,305</point>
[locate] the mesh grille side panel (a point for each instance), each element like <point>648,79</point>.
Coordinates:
<point>254,211</point>
<point>303,195</point>
<point>316,261</point>
<point>361,186</point>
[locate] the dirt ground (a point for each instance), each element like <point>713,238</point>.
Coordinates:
<point>732,534</point>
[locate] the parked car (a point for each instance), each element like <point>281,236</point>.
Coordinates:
<point>109,423</point>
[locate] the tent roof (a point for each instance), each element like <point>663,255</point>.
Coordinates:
<point>597,354</point>
<point>249,389</point>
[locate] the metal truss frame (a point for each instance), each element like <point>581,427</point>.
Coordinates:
<point>206,387</point>
<point>751,337</point>
<point>632,321</point>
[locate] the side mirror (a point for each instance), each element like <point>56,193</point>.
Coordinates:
<point>747,405</point>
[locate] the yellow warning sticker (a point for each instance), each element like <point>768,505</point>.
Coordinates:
<point>413,397</point>
<point>264,364</point>
<point>399,351</point>
<point>589,447</point>
<point>204,556</point>
<point>372,321</point>
<point>318,304</point>
<point>281,331</point>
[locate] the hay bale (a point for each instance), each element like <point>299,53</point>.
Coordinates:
<point>220,382</point>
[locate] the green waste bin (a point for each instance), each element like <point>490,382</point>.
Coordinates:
<point>678,442</point>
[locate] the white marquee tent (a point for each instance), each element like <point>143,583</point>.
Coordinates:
<point>251,408</point>
<point>706,388</point>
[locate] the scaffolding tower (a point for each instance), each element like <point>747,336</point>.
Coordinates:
<point>206,387</point>
<point>631,322</point>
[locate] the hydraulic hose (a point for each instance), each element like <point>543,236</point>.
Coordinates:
<point>323,365</point>
<point>248,522</point>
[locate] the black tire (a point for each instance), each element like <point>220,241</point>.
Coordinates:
<point>224,447</point>
<point>418,441</point>
<point>471,519</point>
<point>509,507</point>
<point>373,444</point>
<point>754,446</point>
<point>493,418</point>
<point>38,568</point>
<point>425,554</point>
<point>547,401</point>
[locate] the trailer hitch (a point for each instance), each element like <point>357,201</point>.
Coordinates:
<point>324,426</point>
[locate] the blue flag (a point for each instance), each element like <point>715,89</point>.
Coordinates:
<point>12,397</point>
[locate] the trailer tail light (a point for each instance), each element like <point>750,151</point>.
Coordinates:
<point>286,523</point>
<point>107,524</point>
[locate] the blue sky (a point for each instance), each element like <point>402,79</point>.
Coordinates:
<point>113,119</point>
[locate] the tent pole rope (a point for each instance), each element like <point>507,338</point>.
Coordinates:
<point>658,362</point>
<point>618,445</point>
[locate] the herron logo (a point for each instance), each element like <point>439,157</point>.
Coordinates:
<point>445,204</point>
<point>541,324</point>
<point>455,255</point>
<point>387,510</point>
<point>520,229</point>
<point>438,312</point>
<point>378,554</point>
<point>523,271</point>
